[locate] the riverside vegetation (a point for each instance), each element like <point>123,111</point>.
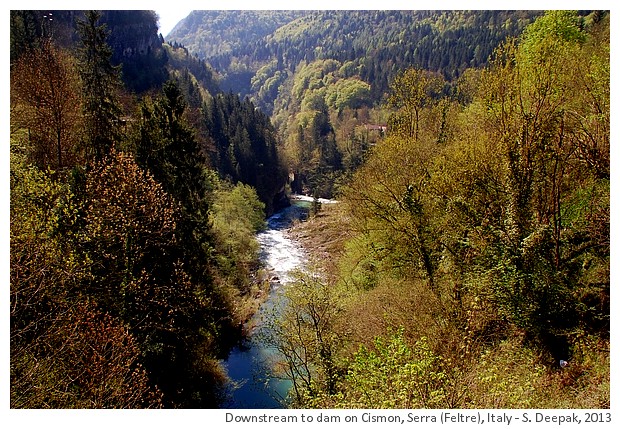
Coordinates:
<point>468,255</point>
<point>467,264</point>
<point>133,262</point>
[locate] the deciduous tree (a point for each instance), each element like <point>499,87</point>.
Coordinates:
<point>411,92</point>
<point>45,100</point>
<point>303,331</point>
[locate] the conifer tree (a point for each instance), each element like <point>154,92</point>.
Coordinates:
<point>167,147</point>
<point>100,80</point>
<point>23,32</point>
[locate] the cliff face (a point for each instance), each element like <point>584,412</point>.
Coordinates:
<point>137,46</point>
<point>133,32</point>
<point>134,39</point>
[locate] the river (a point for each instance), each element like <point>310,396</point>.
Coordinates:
<point>247,364</point>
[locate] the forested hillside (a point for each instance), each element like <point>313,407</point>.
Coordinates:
<point>323,75</point>
<point>468,263</point>
<point>379,42</point>
<point>465,265</point>
<point>135,197</point>
<point>209,33</point>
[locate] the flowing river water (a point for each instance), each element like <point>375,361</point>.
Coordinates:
<point>248,363</point>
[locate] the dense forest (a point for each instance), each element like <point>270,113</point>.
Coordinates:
<point>135,197</point>
<point>466,265</point>
<point>323,75</point>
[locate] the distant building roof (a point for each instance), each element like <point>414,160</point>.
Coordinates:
<point>376,127</point>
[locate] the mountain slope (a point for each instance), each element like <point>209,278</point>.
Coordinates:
<point>380,43</point>
<point>323,75</point>
<point>210,32</point>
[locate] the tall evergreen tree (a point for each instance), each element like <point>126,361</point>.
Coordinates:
<point>24,32</point>
<point>100,80</point>
<point>167,147</point>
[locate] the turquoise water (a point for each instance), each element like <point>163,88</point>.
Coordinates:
<point>248,363</point>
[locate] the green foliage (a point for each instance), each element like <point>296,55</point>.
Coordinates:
<point>123,291</point>
<point>499,385</point>
<point>137,275</point>
<point>302,328</point>
<point>362,262</point>
<point>166,146</point>
<point>100,83</point>
<point>378,44</point>
<point>394,375</point>
<point>481,224</point>
<point>312,149</point>
<point>348,93</point>
<point>65,352</point>
<point>25,32</point>
<point>245,147</point>
<point>241,204</point>
<point>391,204</point>
<point>411,92</point>
<point>290,63</point>
<point>527,100</point>
<point>180,59</point>
<point>494,214</point>
<point>211,32</point>
<point>560,25</point>
<point>237,215</point>
<point>584,383</point>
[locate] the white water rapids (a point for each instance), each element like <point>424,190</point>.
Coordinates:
<point>247,363</point>
<point>279,253</point>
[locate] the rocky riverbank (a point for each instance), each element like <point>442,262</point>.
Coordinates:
<point>323,236</point>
